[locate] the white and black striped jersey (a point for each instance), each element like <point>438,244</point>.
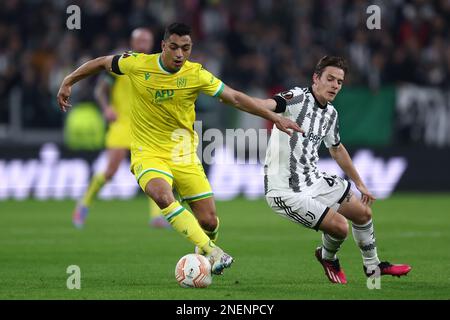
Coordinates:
<point>291,161</point>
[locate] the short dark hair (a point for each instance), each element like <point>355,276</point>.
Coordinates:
<point>180,29</point>
<point>330,61</point>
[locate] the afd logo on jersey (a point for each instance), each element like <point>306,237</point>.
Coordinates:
<point>163,95</point>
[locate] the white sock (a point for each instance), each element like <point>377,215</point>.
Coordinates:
<point>330,246</point>
<point>365,239</point>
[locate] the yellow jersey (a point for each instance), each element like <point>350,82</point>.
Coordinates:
<point>162,103</point>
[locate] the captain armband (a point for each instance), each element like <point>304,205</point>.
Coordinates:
<point>281,104</point>
<point>115,65</point>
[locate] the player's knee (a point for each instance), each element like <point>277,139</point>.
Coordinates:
<point>365,216</point>
<point>163,200</point>
<point>208,221</point>
<point>162,195</point>
<point>341,229</point>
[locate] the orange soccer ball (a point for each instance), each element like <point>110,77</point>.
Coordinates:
<point>193,271</point>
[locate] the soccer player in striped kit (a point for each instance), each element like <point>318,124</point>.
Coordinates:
<point>297,190</point>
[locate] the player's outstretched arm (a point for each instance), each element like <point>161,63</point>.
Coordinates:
<point>259,107</point>
<point>341,156</point>
<point>85,70</point>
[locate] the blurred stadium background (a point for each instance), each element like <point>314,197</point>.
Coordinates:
<point>394,116</point>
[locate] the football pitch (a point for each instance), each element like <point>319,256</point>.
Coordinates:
<point>120,257</point>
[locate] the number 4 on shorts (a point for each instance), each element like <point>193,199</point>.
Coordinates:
<point>330,181</point>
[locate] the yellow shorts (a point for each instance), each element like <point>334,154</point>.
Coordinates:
<point>188,178</point>
<point>118,135</point>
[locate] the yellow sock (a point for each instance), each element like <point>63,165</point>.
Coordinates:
<point>97,182</point>
<point>154,210</point>
<point>186,224</point>
<point>215,233</point>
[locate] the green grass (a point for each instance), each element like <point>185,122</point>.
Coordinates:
<point>122,258</point>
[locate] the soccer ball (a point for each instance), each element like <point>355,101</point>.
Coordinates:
<point>193,271</point>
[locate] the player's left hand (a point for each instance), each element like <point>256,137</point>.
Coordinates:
<point>284,124</point>
<point>366,197</point>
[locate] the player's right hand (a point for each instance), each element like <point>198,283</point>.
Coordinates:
<point>109,114</point>
<point>63,97</point>
<point>284,124</point>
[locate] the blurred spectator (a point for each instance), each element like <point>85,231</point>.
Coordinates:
<point>262,44</point>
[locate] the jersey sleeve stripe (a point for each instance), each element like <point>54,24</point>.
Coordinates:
<point>219,90</point>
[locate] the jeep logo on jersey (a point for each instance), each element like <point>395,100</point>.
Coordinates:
<point>287,95</point>
<point>313,137</point>
<point>161,95</point>
<point>181,82</point>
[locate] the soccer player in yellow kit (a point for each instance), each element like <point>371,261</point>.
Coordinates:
<point>163,150</point>
<point>112,93</point>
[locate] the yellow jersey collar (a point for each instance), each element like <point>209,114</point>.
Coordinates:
<point>161,66</point>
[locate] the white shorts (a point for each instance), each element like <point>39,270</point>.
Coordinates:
<point>310,206</point>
